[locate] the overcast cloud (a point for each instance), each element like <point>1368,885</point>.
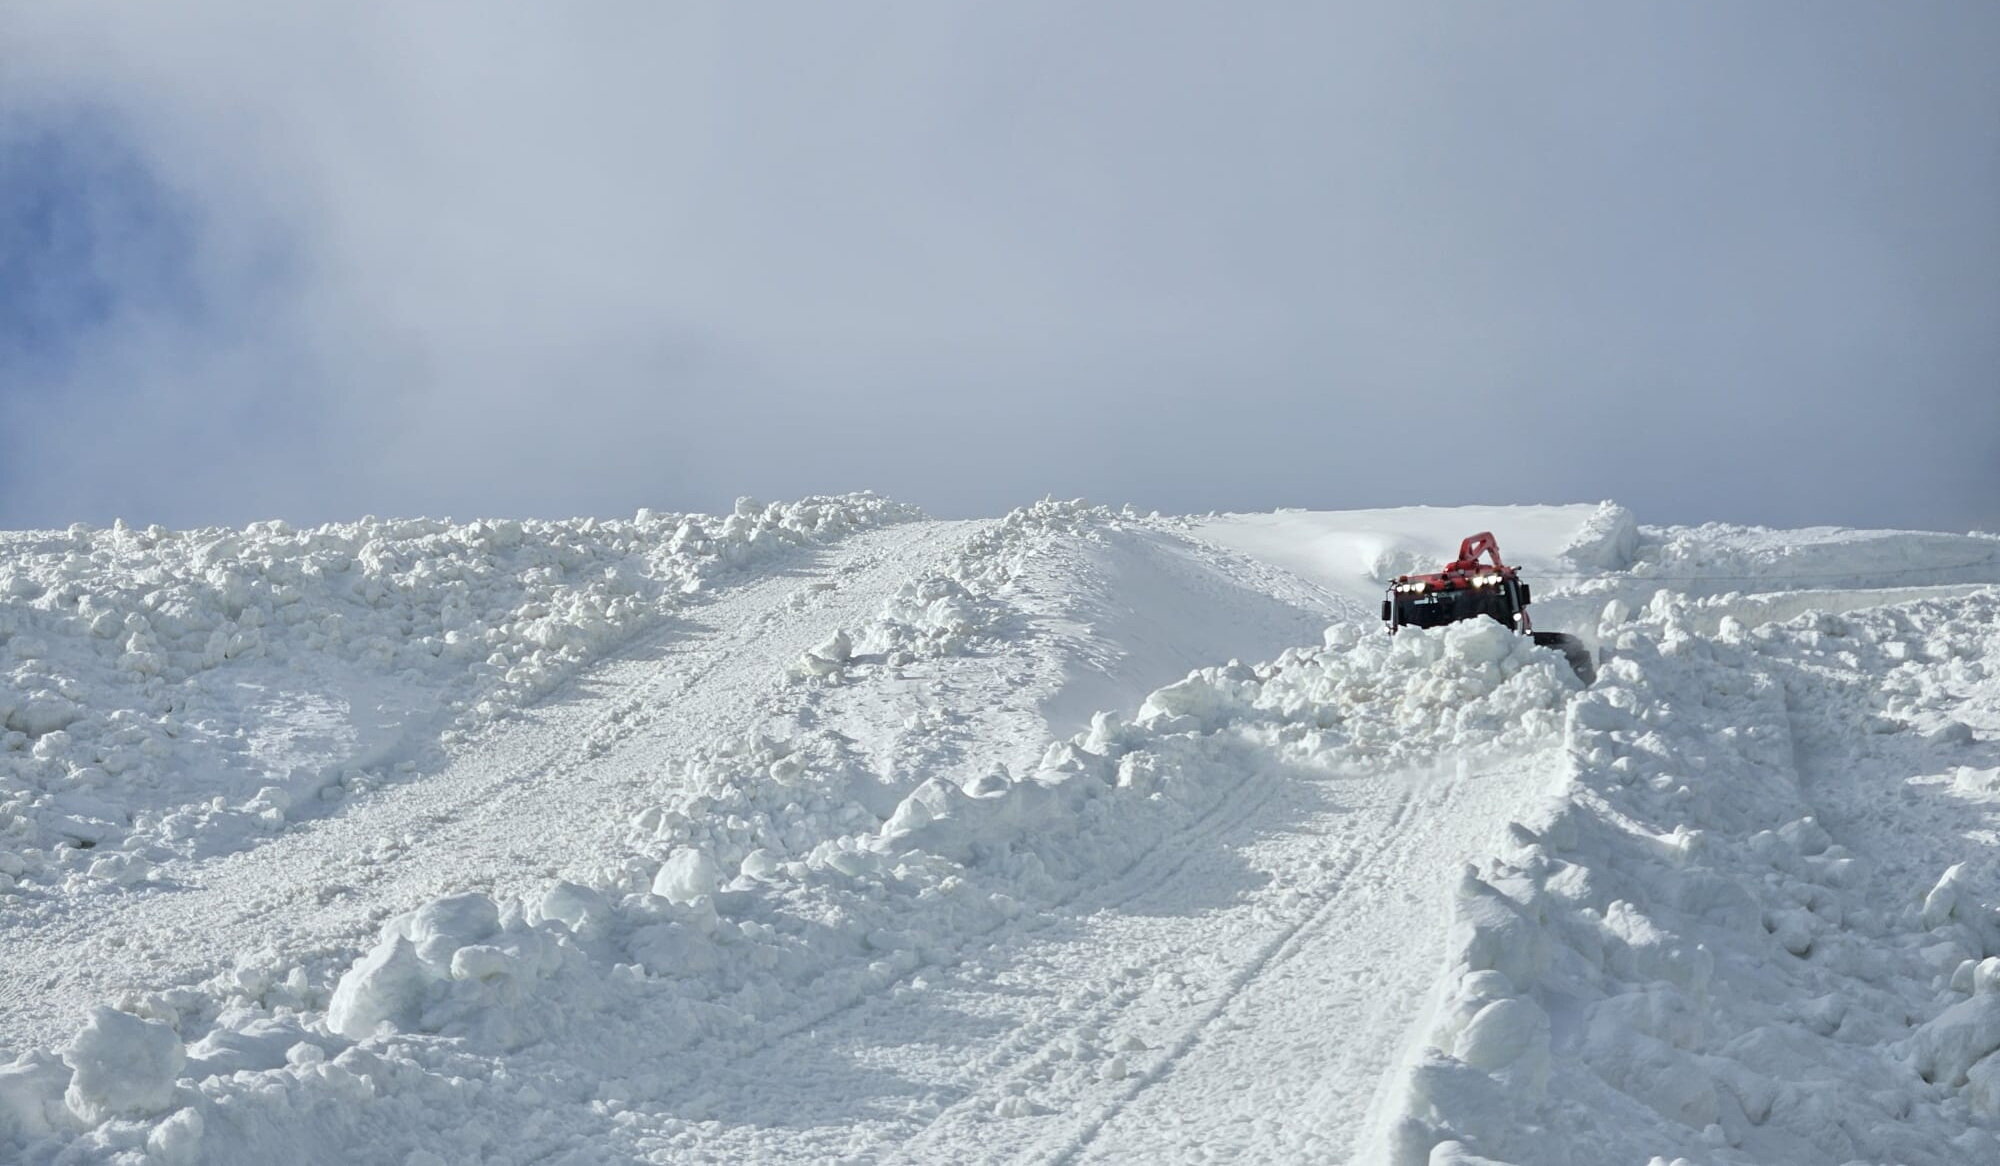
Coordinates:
<point>1734,261</point>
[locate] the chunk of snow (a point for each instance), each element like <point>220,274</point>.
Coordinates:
<point>686,876</point>
<point>1510,1036</point>
<point>177,1140</point>
<point>387,986</point>
<point>122,1066</point>
<point>586,912</point>
<point>31,1096</point>
<point>1941,904</point>
<point>1944,1048</point>
<point>1607,540</point>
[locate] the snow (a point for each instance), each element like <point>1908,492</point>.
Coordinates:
<point>1753,921</point>
<point>121,1066</point>
<point>687,875</point>
<point>179,693</point>
<point>821,831</point>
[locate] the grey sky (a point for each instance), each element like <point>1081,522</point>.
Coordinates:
<point>1734,261</point>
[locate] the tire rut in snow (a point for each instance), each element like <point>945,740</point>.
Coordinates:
<point>1287,1063</point>
<point>1158,871</point>
<point>1280,948</point>
<point>1142,877</point>
<point>1010,1070</point>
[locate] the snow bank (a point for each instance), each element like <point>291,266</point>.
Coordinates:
<point>1718,557</point>
<point>166,691</point>
<point>1708,614</point>
<point>1719,945</point>
<point>1125,602</point>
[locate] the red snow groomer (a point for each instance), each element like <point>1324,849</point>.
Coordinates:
<point>1467,589</point>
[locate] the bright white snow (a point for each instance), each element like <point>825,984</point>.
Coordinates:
<point>823,831</point>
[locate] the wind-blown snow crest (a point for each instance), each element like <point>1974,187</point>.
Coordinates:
<point>160,687</point>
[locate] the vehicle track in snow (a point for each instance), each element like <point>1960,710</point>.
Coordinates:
<point>1288,884</point>
<point>1177,1022</point>
<point>1165,866</point>
<point>1148,971</point>
<point>1288,1067</point>
<point>508,810</point>
<point>804,1037</point>
<point>1376,872</point>
<point>1282,946</point>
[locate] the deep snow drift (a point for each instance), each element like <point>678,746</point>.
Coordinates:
<point>824,831</point>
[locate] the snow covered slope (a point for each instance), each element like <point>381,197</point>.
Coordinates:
<point>823,831</point>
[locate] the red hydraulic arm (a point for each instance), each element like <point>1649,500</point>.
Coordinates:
<point>1474,546</point>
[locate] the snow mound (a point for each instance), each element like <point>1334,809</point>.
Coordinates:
<point>1748,911</point>
<point>457,966</point>
<point>1717,940</point>
<point>122,1066</point>
<point>943,612</point>
<point>1607,541</point>
<point>162,691</point>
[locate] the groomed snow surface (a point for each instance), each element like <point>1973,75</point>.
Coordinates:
<point>823,831</point>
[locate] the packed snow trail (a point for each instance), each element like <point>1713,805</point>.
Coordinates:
<point>535,794</point>
<point>1158,1017</point>
<point>1357,959</point>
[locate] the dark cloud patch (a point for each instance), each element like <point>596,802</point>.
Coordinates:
<point>91,242</point>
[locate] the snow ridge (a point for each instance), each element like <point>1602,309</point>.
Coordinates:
<point>943,612</point>
<point>134,657</point>
<point>1679,958</point>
